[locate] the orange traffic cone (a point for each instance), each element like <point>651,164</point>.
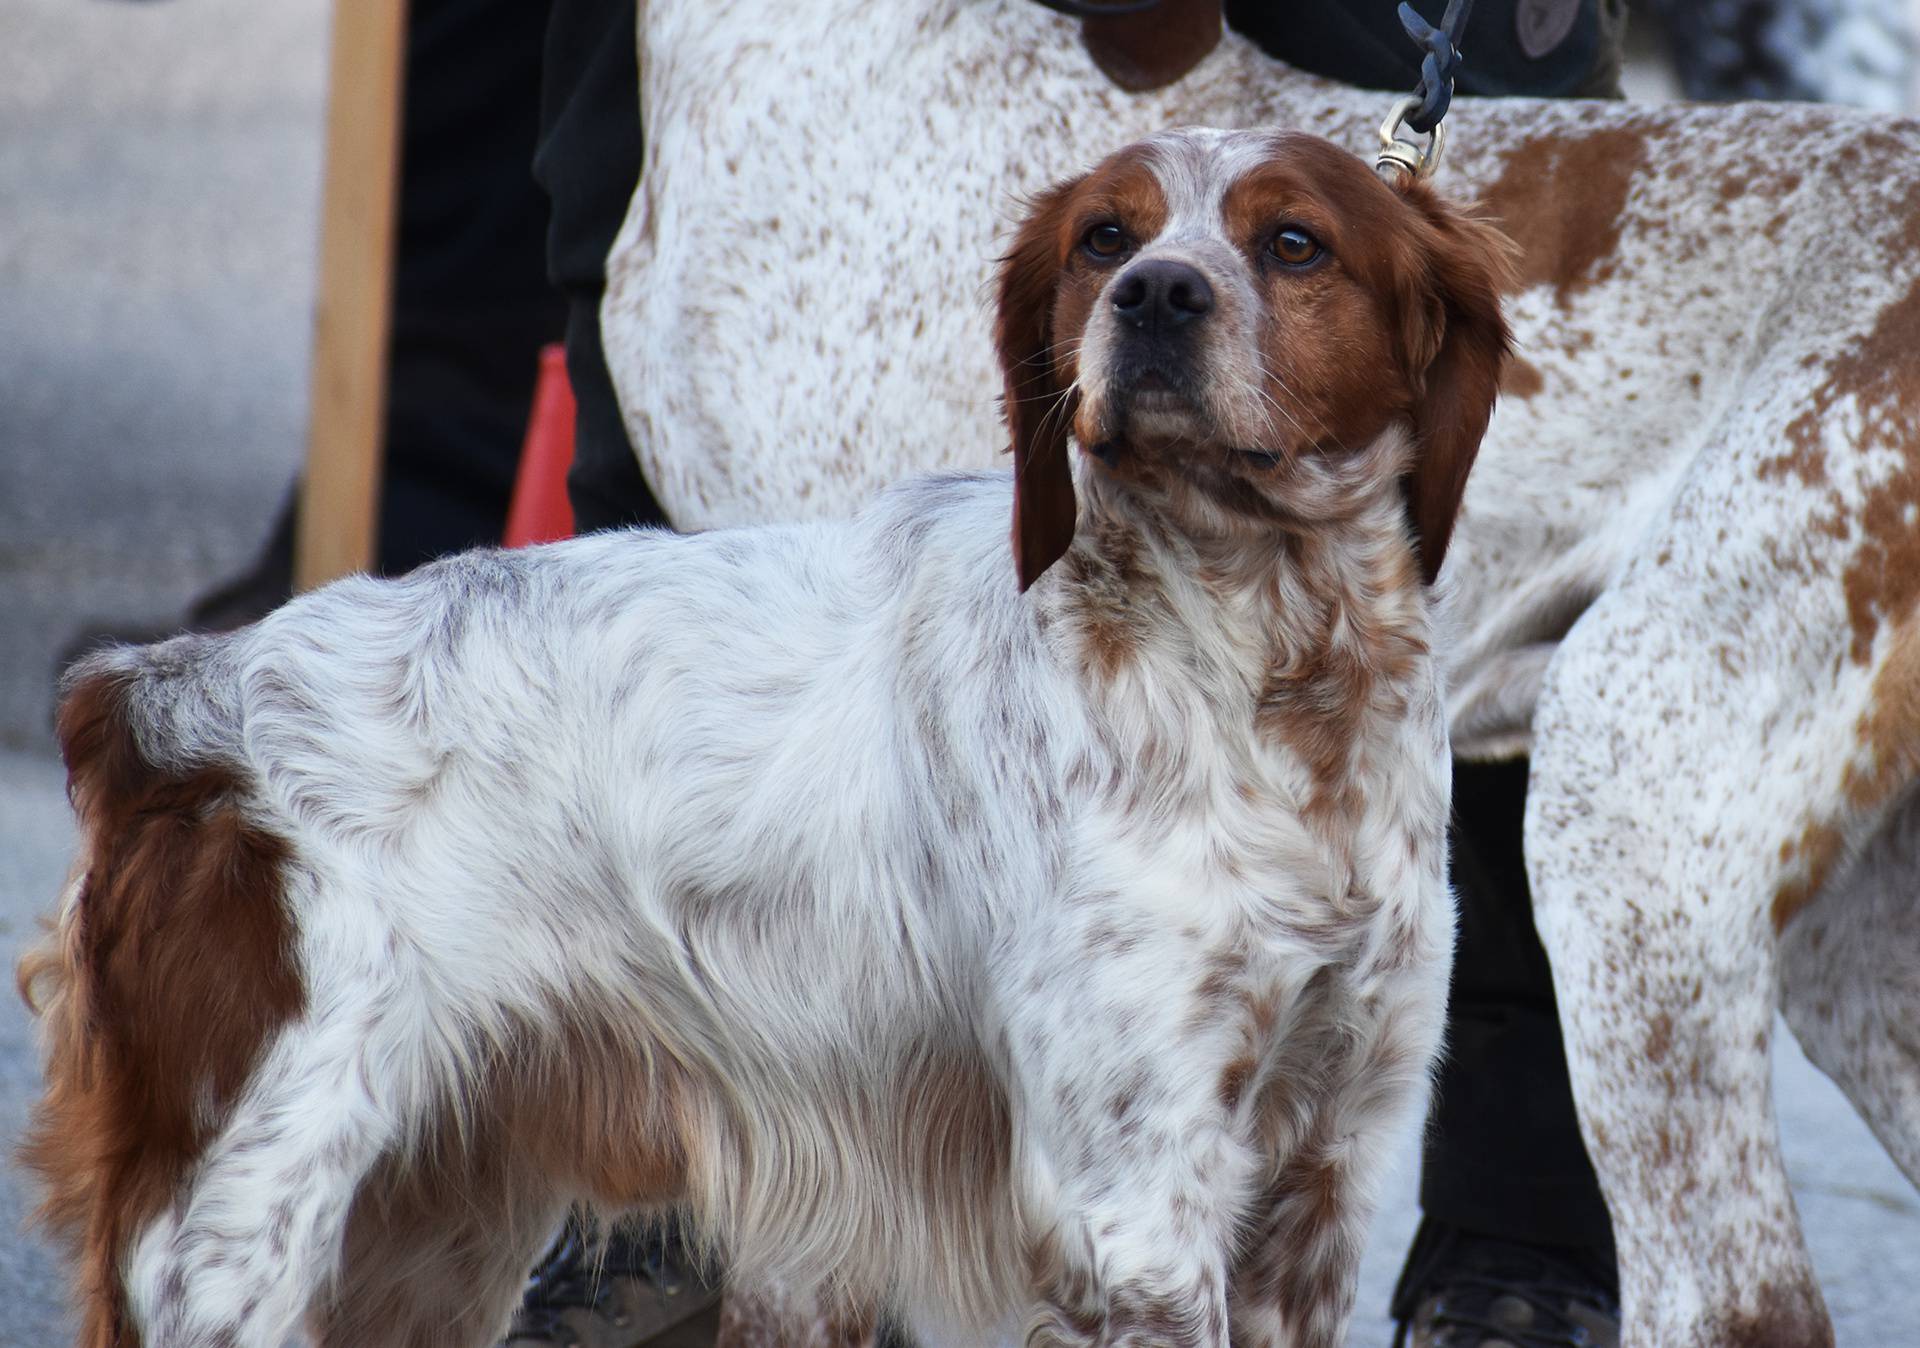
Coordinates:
<point>540,511</point>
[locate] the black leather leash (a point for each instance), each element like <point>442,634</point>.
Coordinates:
<point>1438,65</point>
<point>1422,110</point>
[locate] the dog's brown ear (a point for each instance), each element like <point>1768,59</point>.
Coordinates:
<point>1039,411</point>
<point>1455,342</point>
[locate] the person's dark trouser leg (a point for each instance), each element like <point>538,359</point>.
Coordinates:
<point>471,304</point>
<point>589,163</point>
<point>1504,1155</point>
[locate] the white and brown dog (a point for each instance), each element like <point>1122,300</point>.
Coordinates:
<point>1686,576</point>
<point>1059,956</point>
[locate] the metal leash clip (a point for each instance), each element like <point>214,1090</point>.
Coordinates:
<point>1401,156</point>
<point>1422,110</point>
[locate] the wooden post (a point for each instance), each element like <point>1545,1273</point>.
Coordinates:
<point>347,388</point>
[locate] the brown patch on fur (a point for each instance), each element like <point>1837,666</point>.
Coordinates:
<point>956,1138</point>
<point>1563,199</point>
<point>1805,459</point>
<point>1883,580</point>
<point>1037,409</point>
<point>1818,848</point>
<point>1659,1037</point>
<point>1317,709</point>
<point>1889,730</point>
<point>1412,297</point>
<point>1522,379</point>
<point>602,1113</point>
<point>1322,323</point>
<point>167,977</point>
<point>1152,49</point>
<point>1877,373</point>
<point>1785,1317</point>
<point>1886,762</point>
<point>1301,1259</point>
<point>1456,343</point>
<point>1324,684</point>
<point>1112,597</point>
<point>1233,1082</point>
<point>1125,190</point>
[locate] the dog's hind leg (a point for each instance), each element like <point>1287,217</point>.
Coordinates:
<point>438,1246</point>
<point>207,1112</point>
<point>1851,983</point>
<point>257,1232</point>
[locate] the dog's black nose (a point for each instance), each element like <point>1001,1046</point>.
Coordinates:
<point>1161,294</point>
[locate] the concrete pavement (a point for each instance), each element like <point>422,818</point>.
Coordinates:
<point>158,180</point>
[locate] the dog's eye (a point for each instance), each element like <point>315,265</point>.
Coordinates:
<point>1106,241</point>
<point>1295,247</point>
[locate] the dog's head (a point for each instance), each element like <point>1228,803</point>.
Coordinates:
<point>1243,313</point>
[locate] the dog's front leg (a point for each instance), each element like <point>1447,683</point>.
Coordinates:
<point>1134,1178</point>
<point>1294,1284</point>
<point>258,1229</point>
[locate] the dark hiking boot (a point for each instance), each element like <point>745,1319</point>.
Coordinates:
<point>618,1291</point>
<point>1461,1290</point>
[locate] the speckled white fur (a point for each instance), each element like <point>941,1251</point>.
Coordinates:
<point>873,848</point>
<point>1677,577</point>
<point>808,805</point>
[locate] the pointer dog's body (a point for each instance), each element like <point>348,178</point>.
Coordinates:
<point>1059,955</point>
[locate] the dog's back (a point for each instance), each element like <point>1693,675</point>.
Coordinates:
<point>481,852</point>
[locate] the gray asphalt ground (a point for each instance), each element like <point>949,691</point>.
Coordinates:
<point>158,186</point>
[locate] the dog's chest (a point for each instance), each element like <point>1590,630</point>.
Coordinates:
<point>1289,799</point>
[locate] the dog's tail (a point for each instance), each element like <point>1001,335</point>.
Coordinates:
<point>169,966</point>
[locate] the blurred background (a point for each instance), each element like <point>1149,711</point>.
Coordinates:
<point>159,183</point>
<point>159,187</point>
<point>159,192</point>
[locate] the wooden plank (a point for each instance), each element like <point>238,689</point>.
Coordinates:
<point>352,310</point>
